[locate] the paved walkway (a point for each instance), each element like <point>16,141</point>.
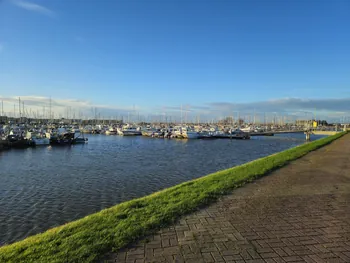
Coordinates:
<point>299,213</point>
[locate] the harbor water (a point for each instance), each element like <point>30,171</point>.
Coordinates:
<point>44,187</point>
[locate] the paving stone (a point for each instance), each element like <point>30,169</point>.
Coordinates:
<point>296,214</point>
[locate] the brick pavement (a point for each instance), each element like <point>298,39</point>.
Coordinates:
<point>299,213</point>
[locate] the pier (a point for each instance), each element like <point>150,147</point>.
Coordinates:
<point>299,213</point>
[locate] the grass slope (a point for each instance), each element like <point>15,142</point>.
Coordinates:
<point>85,240</point>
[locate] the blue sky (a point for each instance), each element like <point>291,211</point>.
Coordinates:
<point>161,54</point>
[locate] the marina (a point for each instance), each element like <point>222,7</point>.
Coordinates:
<point>46,186</point>
<point>174,131</point>
<point>103,164</point>
<point>32,133</point>
<point>26,135</point>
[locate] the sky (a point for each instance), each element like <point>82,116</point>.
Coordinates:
<point>211,58</point>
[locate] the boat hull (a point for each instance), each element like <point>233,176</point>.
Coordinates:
<point>192,135</point>
<point>61,142</point>
<point>232,136</point>
<point>111,133</point>
<point>80,140</point>
<point>41,141</point>
<point>131,133</point>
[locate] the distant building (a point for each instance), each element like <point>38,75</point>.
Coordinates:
<point>303,122</point>
<point>311,123</point>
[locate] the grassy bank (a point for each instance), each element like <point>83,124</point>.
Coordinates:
<point>85,240</point>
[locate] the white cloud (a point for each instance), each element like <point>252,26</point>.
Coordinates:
<point>287,105</point>
<point>33,7</point>
<point>291,108</point>
<point>62,107</point>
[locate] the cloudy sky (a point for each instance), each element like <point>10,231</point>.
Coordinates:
<point>290,108</point>
<point>149,57</point>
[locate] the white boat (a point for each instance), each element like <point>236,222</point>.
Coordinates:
<point>206,135</point>
<point>130,131</point>
<point>192,135</point>
<point>38,138</point>
<point>16,130</point>
<point>247,129</point>
<point>147,132</point>
<point>87,129</point>
<point>177,132</point>
<point>183,132</point>
<point>111,131</point>
<point>153,132</point>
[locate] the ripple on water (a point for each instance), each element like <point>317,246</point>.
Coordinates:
<point>49,186</point>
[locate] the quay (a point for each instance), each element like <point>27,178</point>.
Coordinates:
<point>298,213</point>
<point>272,133</point>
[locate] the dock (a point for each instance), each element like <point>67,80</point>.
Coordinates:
<point>272,133</point>
<point>299,213</point>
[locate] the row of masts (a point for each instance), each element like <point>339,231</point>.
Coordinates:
<point>20,111</point>
<point>71,114</point>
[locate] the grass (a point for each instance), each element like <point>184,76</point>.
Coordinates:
<point>87,239</point>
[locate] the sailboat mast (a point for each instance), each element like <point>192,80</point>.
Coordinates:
<point>181,114</point>
<point>50,109</point>
<point>19,107</point>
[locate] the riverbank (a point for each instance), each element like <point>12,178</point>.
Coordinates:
<point>87,239</point>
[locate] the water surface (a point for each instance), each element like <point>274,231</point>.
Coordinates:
<point>45,187</point>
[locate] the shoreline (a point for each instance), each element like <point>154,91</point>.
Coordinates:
<point>90,237</point>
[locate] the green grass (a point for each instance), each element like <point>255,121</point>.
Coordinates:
<point>85,240</point>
